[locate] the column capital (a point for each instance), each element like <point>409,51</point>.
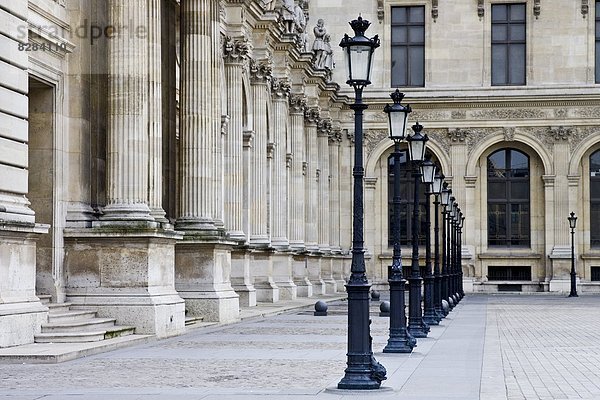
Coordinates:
<point>235,50</point>
<point>261,71</point>
<point>335,136</point>
<point>280,88</point>
<point>324,127</point>
<point>297,103</point>
<point>312,115</point>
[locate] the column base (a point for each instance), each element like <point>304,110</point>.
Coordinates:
<point>282,273</point>
<point>314,275</point>
<point>241,281</point>
<point>127,274</point>
<point>203,270</point>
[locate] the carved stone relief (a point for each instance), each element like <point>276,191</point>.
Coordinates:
<point>434,10</point>
<point>480,9</point>
<point>372,137</point>
<point>585,8</point>
<point>324,127</point>
<point>509,133</point>
<point>536,8</point>
<point>439,137</point>
<point>312,115</point>
<point>380,11</point>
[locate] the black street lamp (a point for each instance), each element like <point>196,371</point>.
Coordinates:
<point>572,224</point>
<point>428,171</point>
<point>416,148</point>
<point>453,268</point>
<point>363,371</point>
<point>451,211</point>
<point>436,189</point>
<point>445,201</point>
<point>461,291</point>
<point>400,341</point>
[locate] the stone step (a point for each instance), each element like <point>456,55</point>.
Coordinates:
<point>58,307</point>
<point>193,320</point>
<point>44,298</point>
<point>82,337</point>
<point>69,316</point>
<point>91,325</point>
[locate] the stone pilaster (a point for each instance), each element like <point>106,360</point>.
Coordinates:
<point>334,208</point>
<point>235,53</point>
<point>203,259</point>
<point>261,74</point>
<point>297,180</point>
<point>561,240</point>
<point>155,114</point>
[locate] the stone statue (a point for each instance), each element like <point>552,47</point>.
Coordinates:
<point>288,15</point>
<point>328,63</point>
<point>300,22</point>
<point>319,46</point>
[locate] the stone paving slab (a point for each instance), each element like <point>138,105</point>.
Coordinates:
<point>500,347</point>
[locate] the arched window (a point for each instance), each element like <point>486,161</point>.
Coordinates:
<point>595,199</point>
<point>407,190</point>
<point>508,198</point>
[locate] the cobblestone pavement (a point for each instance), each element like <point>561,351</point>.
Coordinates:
<point>500,347</point>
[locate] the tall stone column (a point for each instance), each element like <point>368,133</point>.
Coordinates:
<point>282,260</point>
<point>311,238</point>
<point>261,74</point>
<point>155,114</point>
<point>297,180</point>
<point>280,91</point>
<point>127,143</point>
<point>334,207</point>
<point>262,263</point>
<point>312,118</point>
<point>323,131</point>
<point>203,258</point>
<point>128,274</point>
<point>297,190</point>
<point>235,53</point>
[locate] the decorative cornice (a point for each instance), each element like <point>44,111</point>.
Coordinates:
<point>235,50</point>
<point>280,87</point>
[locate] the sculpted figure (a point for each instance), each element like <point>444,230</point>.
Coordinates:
<point>288,15</point>
<point>328,59</point>
<point>319,46</point>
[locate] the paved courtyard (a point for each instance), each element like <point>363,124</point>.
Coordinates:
<point>489,347</point>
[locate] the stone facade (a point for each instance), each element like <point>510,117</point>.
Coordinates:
<point>197,157</point>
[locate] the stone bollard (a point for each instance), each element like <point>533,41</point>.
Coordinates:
<point>384,309</point>
<point>320,309</point>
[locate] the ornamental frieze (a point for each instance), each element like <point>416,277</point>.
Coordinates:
<point>235,50</point>
<point>510,113</point>
<point>587,112</point>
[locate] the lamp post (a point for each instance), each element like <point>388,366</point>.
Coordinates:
<point>451,211</point>
<point>436,189</point>
<point>363,371</point>
<point>445,201</point>
<point>428,171</point>
<point>454,268</point>
<point>461,291</point>
<point>572,224</point>
<point>400,341</point>
<point>457,266</point>
<point>416,148</point>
